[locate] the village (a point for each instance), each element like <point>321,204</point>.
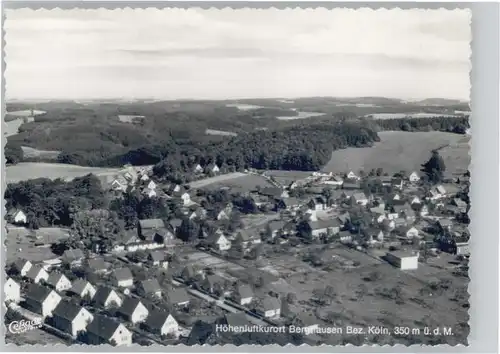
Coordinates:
<point>270,256</point>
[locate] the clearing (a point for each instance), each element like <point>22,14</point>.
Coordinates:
<point>20,243</point>
<point>235,181</point>
<point>31,170</point>
<point>219,132</point>
<point>29,152</point>
<point>406,151</point>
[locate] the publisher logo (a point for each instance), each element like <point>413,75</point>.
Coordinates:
<point>22,326</point>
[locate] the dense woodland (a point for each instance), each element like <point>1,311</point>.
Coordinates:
<point>173,133</point>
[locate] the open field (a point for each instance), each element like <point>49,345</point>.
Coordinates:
<point>130,118</point>
<point>25,113</point>
<point>219,132</point>
<point>396,298</point>
<point>403,151</point>
<point>408,115</point>
<point>235,181</point>
<point>287,177</point>
<point>32,170</point>
<point>29,152</point>
<point>20,243</point>
<point>11,127</point>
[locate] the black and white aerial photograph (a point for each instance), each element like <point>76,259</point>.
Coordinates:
<point>236,176</point>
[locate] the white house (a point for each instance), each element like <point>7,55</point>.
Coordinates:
<point>198,169</point>
<point>360,198</point>
<point>133,310</point>
<point>415,200</point>
<point>411,232</point>
<point>83,289</point>
<point>151,185</point>
<point>352,175</point>
<point>219,242</point>
<point>59,282</point>
<point>243,295</point>
<point>270,307</point>
<point>414,177</point>
<point>107,297</point>
<point>71,318</point>
<point>22,266</point>
<point>186,199</point>
<point>118,185</point>
<point>403,260</point>
<point>12,291</point>
<point>106,330</point>
<point>123,278</point>
<point>213,168</point>
<point>162,322</point>
<point>149,192</point>
<point>424,211</point>
<point>18,217</point>
<point>36,274</point>
<point>41,300</point>
<point>144,177</point>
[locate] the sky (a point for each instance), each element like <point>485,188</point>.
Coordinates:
<point>229,54</point>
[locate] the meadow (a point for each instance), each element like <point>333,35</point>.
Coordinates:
<point>406,151</point>
<point>31,170</point>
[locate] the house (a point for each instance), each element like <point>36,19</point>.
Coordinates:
<point>243,295</point>
<point>344,236</point>
<point>175,224</point>
<point>403,260</point>
<point>461,205</point>
<point>389,224</point>
<point>16,216</point>
<point>186,199</point>
<point>269,308</point>
<point>198,169</point>
<point>236,319</point>
<point>133,310</point>
<point>41,300</point>
<point>123,278</point>
<point>144,177</point>
<point>360,198</point>
<point>150,193</point>
<point>71,318</point>
<point>12,291</point>
<point>289,204</point>
<point>178,297</point>
<point>150,288</point>
<point>221,215</point>
<point>104,330</point>
<point>374,234</point>
<point>247,239</point>
<point>152,230</point>
<point>36,274</point>
<point>73,256</point>
<point>400,222</point>
<point>328,227</point>
<point>424,210</point>
<point>409,214</point>
<point>318,203</point>
<point>441,190</point>
<point>414,177</point>
<point>219,242</point>
<point>351,185</point>
<point>107,297</point>
<point>415,200</point>
<point>83,289</point>
<point>59,282</point>
<point>97,265</point>
<point>158,258</point>
<point>335,181</point>
<point>119,184</point>
<point>212,168</point>
<point>198,214</point>
<point>386,180</point>
<point>352,175</point>
<point>151,185</point>
<point>162,323</point>
<point>410,232</point>
<point>22,266</point>
<point>397,183</point>
<point>188,273</point>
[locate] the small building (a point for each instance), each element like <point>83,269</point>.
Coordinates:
<point>41,300</point>
<point>444,224</point>
<point>352,175</point>
<point>269,308</point>
<point>59,282</point>
<point>275,228</point>
<point>12,291</point>
<point>351,185</point>
<point>149,288</point>
<point>162,323</point>
<point>414,177</point>
<point>150,193</point>
<point>328,227</point>
<point>97,265</point>
<point>133,310</point>
<point>123,278</point>
<point>107,297</point>
<point>36,274</point>
<point>186,199</point>
<point>83,289</point>
<point>71,318</point>
<point>158,259</point>
<point>73,256</point>
<point>17,216</point>
<point>105,330</point>
<point>197,168</point>
<point>153,230</point>
<point>22,266</point>
<point>212,168</point>
<point>415,200</point>
<point>219,242</point>
<point>274,192</point>
<point>403,260</point>
<point>360,198</point>
<point>317,204</point>
<point>178,297</point>
<point>243,295</point>
<point>213,284</point>
<point>289,204</point>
